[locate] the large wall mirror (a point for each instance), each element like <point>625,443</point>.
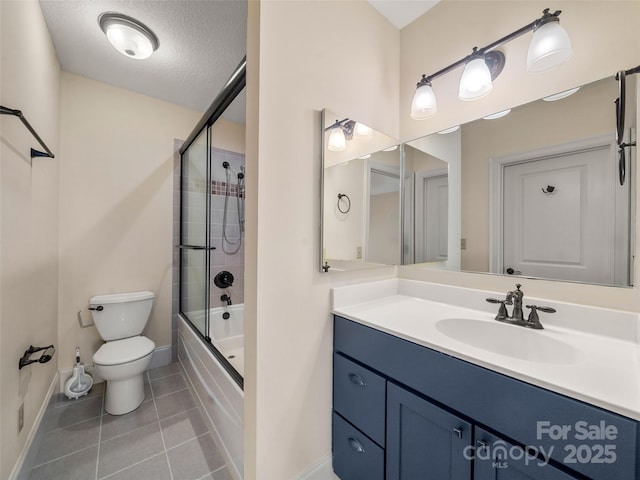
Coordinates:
<point>360,208</point>
<point>537,191</point>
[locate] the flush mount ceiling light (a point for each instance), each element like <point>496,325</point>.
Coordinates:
<point>550,47</point>
<point>127,35</point>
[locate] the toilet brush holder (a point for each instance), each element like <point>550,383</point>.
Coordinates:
<point>80,382</point>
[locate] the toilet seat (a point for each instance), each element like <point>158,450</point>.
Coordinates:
<point>127,350</point>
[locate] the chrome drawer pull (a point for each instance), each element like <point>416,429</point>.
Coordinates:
<point>481,444</point>
<point>357,379</point>
<point>356,445</point>
<point>458,432</point>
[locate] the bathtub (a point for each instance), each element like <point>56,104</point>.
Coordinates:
<point>219,396</point>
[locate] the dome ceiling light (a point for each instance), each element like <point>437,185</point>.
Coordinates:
<point>130,37</point>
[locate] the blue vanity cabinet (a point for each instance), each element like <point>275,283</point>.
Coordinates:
<point>420,380</point>
<point>497,459</point>
<point>423,440</point>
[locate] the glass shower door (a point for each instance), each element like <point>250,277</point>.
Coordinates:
<point>194,233</point>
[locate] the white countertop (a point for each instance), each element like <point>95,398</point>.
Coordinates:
<point>605,370</point>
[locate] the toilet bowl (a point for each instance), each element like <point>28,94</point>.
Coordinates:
<point>122,360</point>
<point>121,363</point>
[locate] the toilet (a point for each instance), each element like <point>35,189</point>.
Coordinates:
<point>121,361</point>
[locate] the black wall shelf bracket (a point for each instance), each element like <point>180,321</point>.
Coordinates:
<point>34,153</point>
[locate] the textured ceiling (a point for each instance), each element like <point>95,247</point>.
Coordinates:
<point>201,44</point>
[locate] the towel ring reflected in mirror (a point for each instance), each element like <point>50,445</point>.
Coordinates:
<point>340,197</point>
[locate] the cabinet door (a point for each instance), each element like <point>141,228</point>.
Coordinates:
<point>424,441</point>
<point>497,459</point>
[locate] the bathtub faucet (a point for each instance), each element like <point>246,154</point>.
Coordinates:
<point>226,298</point>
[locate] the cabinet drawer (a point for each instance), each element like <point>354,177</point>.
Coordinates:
<point>355,457</point>
<point>359,396</point>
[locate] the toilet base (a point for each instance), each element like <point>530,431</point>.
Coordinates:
<point>124,396</point>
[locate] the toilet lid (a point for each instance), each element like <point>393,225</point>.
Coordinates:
<point>123,351</point>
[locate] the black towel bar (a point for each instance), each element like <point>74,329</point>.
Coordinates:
<point>34,153</point>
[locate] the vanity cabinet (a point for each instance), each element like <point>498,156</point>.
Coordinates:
<point>410,409</point>
<point>424,441</point>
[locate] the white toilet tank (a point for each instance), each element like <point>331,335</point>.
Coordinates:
<point>121,315</point>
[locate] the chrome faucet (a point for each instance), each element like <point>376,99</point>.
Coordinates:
<point>514,297</point>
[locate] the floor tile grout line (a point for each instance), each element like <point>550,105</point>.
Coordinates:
<point>131,466</point>
<point>213,472</point>
<point>171,393</point>
<point>164,445</point>
<point>73,424</point>
<point>64,456</point>
<point>190,440</point>
<point>100,435</point>
<point>158,419</point>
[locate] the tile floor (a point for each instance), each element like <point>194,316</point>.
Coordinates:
<point>165,438</point>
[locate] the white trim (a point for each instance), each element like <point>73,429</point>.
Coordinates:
<point>496,186</point>
<point>321,470</point>
<point>17,468</point>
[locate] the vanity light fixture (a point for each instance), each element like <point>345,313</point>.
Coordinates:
<point>390,149</point>
<point>561,95</point>
<point>364,157</point>
<point>129,36</point>
<point>549,47</point>
<point>449,130</point>
<point>339,133</point>
<point>362,132</point>
<point>501,114</point>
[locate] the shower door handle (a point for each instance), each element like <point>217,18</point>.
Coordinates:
<point>196,247</point>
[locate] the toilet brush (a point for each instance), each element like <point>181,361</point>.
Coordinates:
<point>80,382</point>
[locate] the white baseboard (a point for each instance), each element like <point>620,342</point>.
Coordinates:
<point>161,356</point>
<point>17,468</point>
<point>321,470</point>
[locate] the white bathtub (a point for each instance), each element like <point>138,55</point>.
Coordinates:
<point>220,397</point>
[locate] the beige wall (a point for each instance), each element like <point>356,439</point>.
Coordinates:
<point>228,135</point>
<point>30,79</point>
<point>116,193</point>
<point>595,56</point>
<point>338,55</point>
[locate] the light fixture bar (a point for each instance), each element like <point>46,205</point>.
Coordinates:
<point>545,18</point>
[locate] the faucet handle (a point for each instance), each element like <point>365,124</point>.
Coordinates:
<point>534,321</point>
<point>502,311</point>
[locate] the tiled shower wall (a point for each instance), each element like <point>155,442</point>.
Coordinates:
<point>226,256</point>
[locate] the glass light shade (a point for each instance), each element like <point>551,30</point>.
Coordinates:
<point>424,103</point>
<point>362,132</point>
<point>500,114</point>
<point>337,141</point>
<point>129,41</point>
<point>449,130</point>
<point>476,80</point>
<point>561,95</point>
<point>549,47</point>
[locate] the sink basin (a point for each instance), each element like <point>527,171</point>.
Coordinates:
<point>509,340</point>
